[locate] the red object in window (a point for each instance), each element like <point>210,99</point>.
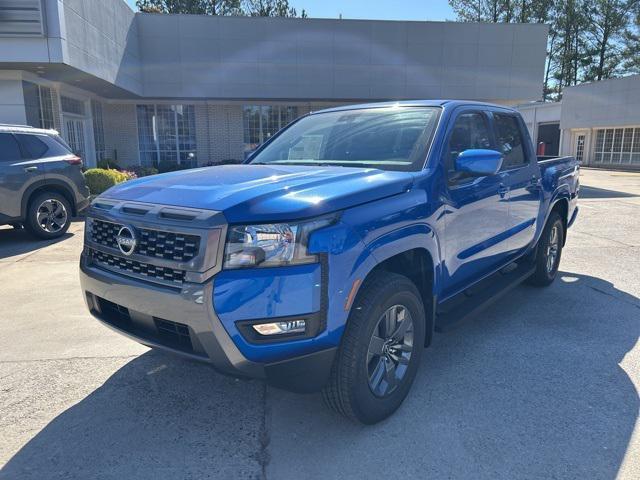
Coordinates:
<point>541,149</point>
<point>74,160</point>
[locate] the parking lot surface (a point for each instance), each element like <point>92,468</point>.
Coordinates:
<point>544,384</point>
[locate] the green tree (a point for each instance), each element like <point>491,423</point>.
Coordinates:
<point>271,8</point>
<point>588,39</point>
<point>631,52</point>
<point>609,28</point>
<point>256,8</point>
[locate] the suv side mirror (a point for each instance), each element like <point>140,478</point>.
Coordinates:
<point>479,162</point>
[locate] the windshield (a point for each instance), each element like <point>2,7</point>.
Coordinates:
<point>395,138</point>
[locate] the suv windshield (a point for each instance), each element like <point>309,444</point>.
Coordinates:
<point>388,138</point>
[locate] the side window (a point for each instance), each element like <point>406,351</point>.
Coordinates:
<point>9,149</point>
<point>56,147</point>
<point>509,138</point>
<point>33,145</point>
<point>470,131</point>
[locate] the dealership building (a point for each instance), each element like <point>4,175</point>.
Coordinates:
<point>146,88</point>
<point>598,123</point>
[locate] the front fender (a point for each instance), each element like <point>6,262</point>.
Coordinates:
<point>366,236</point>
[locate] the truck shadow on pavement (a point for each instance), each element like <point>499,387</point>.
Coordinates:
<point>602,193</point>
<point>533,388</point>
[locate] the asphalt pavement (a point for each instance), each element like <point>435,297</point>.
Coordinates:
<point>544,384</point>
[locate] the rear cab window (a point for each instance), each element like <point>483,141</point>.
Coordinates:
<point>510,141</point>
<point>9,149</point>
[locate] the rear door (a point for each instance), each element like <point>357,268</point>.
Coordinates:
<point>17,174</point>
<point>521,175</point>
<point>55,159</point>
<point>476,208</point>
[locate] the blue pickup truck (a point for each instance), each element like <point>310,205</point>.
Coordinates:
<point>327,260</point>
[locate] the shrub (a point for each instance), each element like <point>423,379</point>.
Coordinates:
<point>107,164</point>
<point>100,179</point>
<point>142,171</point>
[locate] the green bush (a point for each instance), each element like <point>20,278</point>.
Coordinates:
<point>100,179</point>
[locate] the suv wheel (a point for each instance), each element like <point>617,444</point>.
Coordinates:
<point>380,352</point>
<point>48,215</point>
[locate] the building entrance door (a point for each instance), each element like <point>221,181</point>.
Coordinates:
<point>579,142</point>
<point>75,136</point>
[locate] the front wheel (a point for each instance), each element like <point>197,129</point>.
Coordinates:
<point>548,252</point>
<point>48,215</point>
<point>380,352</point>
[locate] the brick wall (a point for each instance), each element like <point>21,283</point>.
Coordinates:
<point>121,133</point>
<point>225,139</point>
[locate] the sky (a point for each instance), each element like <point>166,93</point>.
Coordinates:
<point>372,9</point>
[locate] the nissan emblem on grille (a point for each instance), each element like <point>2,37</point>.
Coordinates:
<point>126,240</point>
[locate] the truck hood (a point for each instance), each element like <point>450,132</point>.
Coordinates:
<point>251,193</point>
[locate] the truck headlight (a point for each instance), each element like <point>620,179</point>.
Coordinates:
<point>271,244</point>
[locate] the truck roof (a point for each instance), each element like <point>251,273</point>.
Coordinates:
<point>411,103</point>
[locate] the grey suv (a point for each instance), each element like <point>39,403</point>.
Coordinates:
<point>41,181</point>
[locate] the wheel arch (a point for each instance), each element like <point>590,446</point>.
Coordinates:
<point>47,186</point>
<point>561,206</point>
<point>418,265</point>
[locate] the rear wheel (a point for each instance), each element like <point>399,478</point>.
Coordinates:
<point>48,215</point>
<point>548,252</point>
<point>380,352</point>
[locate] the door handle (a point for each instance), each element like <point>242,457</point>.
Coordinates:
<point>30,169</point>
<point>502,190</point>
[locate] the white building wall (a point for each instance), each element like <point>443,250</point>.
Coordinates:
<point>586,108</point>
<point>12,108</point>
<point>536,113</point>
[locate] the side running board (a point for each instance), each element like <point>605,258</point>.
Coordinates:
<point>474,300</point>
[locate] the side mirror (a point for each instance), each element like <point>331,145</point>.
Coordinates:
<point>479,162</point>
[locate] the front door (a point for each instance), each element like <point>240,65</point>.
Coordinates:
<point>476,208</point>
<point>521,177</point>
<point>75,136</point>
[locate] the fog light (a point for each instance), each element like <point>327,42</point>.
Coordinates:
<point>278,328</point>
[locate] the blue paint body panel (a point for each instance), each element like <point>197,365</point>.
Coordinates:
<point>469,230</point>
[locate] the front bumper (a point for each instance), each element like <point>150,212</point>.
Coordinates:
<point>184,322</point>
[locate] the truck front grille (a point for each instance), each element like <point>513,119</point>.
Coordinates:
<point>126,266</point>
<point>179,247</point>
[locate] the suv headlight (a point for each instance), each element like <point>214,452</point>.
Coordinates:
<point>271,244</point>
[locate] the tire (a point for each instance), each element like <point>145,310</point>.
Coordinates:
<point>356,387</point>
<point>48,215</point>
<point>546,267</point>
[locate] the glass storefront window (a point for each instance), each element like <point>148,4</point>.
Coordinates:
<point>617,145</point>
<point>98,130</point>
<point>261,122</point>
<point>167,133</point>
